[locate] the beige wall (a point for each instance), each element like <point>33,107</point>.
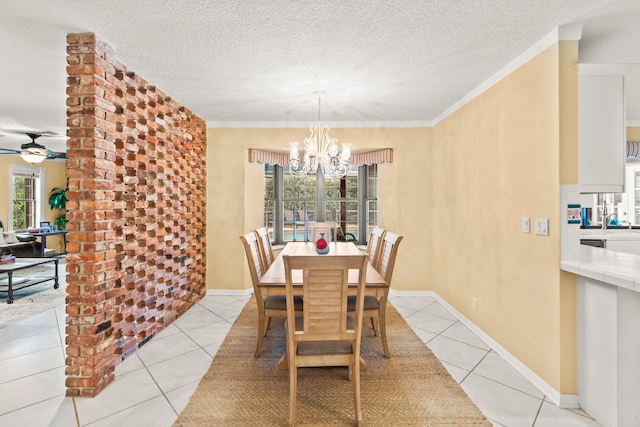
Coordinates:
<point>235,194</point>
<point>633,133</point>
<point>458,193</point>
<point>495,161</point>
<point>55,176</point>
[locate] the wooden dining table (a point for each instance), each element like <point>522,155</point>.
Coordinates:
<point>273,281</point>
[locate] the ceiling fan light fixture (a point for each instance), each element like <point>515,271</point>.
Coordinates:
<point>33,155</point>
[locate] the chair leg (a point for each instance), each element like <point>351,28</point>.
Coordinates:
<point>356,391</point>
<point>293,390</point>
<point>266,326</point>
<point>382,321</point>
<point>261,327</point>
<point>376,332</point>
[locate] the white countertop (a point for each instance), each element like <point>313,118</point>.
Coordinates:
<point>610,234</point>
<point>616,268</point>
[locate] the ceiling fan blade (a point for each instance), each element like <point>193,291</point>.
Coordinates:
<point>56,155</point>
<point>33,147</point>
<point>44,133</point>
<point>8,151</point>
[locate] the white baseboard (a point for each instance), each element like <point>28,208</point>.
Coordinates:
<point>560,400</point>
<point>240,292</point>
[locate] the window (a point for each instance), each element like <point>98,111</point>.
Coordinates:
<point>26,199</point>
<point>291,203</point>
<point>621,208</point>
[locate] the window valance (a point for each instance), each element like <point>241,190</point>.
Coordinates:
<point>384,155</point>
<point>269,157</point>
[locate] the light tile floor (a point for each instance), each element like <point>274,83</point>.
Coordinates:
<point>153,385</point>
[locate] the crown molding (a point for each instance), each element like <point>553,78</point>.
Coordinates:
<point>332,125</point>
<point>568,32</point>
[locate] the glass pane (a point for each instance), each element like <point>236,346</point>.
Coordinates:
<point>24,202</point>
<point>269,213</point>
<point>269,182</point>
<point>297,214</point>
<point>372,181</point>
<point>372,214</point>
<point>331,210</point>
<point>352,187</point>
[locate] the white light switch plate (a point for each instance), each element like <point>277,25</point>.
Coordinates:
<point>525,224</point>
<point>542,226</point>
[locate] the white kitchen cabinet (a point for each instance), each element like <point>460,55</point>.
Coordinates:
<point>608,352</point>
<point>601,128</point>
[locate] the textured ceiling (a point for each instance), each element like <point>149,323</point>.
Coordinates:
<point>253,63</point>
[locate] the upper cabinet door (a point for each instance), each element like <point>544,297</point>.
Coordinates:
<point>601,128</point>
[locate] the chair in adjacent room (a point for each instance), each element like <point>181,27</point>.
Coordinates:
<point>266,250</point>
<point>376,307</point>
<point>328,228</point>
<point>268,306</point>
<point>324,335</point>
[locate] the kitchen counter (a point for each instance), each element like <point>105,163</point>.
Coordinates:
<point>608,339</point>
<point>610,234</point>
<point>615,268</point>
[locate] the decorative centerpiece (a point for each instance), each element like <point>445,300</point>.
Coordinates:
<point>322,247</point>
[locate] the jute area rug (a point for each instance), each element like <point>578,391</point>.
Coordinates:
<point>411,388</point>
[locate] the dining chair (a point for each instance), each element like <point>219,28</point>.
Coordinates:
<point>268,306</point>
<point>375,307</point>
<point>327,228</point>
<point>373,246</point>
<point>266,250</point>
<point>324,335</point>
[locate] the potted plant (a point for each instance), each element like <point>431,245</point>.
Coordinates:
<point>58,200</point>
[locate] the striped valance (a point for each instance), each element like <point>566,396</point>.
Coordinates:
<point>372,157</point>
<point>633,148</point>
<point>384,155</point>
<point>269,157</point>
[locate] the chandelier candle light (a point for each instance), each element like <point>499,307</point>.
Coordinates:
<point>320,150</point>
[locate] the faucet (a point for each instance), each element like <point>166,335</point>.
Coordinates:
<point>605,221</point>
<point>604,214</point>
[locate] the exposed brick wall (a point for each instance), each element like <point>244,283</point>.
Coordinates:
<point>136,232</point>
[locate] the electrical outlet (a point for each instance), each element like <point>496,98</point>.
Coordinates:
<point>474,304</point>
<point>542,226</point>
<point>525,224</point>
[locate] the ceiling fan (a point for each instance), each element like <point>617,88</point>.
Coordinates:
<point>32,152</point>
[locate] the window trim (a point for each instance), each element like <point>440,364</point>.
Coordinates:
<point>26,170</point>
<point>362,200</point>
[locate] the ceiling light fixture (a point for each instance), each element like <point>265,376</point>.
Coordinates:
<point>320,150</point>
<point>33,155</point>
<point>33,152</point>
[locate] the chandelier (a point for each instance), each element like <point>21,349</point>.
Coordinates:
<point>320,150</point>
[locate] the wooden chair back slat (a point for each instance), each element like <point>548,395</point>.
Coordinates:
<point>266,250</point>
<point>374,246</point>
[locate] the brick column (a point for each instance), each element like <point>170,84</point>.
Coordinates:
<point>136,251</point>
<point>91,210</point>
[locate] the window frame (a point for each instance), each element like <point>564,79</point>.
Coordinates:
<point>364,198</point>
<point>37,172</point>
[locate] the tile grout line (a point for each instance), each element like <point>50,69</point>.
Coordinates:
<point>537,413</point>
<point>474,367</point>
